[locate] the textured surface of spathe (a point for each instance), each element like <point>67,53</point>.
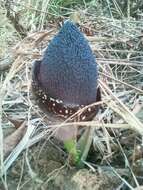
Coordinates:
<point>68,70</point>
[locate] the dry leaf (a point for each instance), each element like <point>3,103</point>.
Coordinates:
<point>12,140</point>
<point>17,122</point>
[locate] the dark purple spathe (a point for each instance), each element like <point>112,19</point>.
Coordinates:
<point>68,71</point>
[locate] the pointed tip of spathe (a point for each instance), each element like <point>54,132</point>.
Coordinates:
<point>70,26</point>
<point>69,23</point>
<point>70,33</point>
